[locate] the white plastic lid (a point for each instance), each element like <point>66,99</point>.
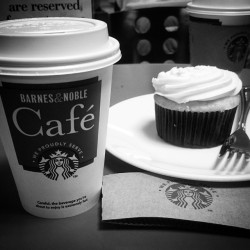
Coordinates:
<point>57,45</point>
<point>229,12</point>
<point>223,4</point>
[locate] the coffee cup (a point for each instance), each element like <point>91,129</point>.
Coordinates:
<point>55,84</point>
<point>219,33</point>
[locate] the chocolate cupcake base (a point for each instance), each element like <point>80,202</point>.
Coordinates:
<point>194,129</point>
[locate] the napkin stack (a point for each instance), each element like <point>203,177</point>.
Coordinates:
<point>140,198</point>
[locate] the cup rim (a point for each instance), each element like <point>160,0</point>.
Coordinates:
<point>218,10</point>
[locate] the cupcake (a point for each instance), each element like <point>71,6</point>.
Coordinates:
<point>195,106</point>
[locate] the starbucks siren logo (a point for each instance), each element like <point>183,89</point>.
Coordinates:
<point>237,49</point>
<point>58,163</point>
<point>188,196</point>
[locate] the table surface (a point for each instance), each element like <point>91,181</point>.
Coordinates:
<point>20,230</point>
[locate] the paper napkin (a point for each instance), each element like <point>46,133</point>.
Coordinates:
<point>135,197</point>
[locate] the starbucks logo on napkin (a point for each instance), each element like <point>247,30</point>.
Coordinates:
<point>189,196</point>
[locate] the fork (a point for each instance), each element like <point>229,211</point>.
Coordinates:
<point>239,143</point>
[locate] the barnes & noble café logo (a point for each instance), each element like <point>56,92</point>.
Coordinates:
<point>58,124</point>
<point>186,196</point>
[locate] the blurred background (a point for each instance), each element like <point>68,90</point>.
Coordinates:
<point>149,31</point>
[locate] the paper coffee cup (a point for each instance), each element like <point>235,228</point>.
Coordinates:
<point>219,33</point>
<point>55,81</point>
<point>227,12</point>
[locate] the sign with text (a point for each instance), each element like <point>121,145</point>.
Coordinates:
<point>53,121</point>
<point>15,9</point>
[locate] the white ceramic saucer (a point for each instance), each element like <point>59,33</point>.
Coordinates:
<point>132,137</point>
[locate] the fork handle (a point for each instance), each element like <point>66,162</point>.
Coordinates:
<point>245,106</point>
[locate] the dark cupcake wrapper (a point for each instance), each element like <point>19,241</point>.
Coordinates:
<point>194,129</point>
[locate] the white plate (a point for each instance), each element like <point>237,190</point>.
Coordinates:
<point>132,137</point>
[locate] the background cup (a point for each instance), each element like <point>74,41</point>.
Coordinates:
<point>55,81</point>
<point>219,33</point>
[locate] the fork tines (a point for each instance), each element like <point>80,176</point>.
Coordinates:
<point>238,143</point>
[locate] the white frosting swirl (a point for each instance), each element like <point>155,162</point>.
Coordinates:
<point>199,83</point>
